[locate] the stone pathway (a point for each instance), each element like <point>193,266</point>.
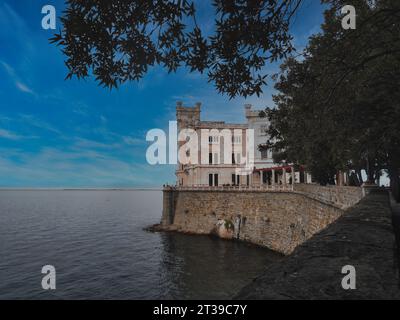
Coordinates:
<point>396,225</point>
<point>363,237</point>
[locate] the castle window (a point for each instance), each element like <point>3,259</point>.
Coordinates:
<point>213,179</point>
<point>236,139</point>
<point>213,158</point>
<point>216,160</point>
<point>264,154</point>
<point>236,158</point>
<point>213,139</point>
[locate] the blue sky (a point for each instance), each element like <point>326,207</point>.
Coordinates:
<point>57,133</point>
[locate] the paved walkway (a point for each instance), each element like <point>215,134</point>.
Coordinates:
<point>396,225</point>
<point>363,237</point>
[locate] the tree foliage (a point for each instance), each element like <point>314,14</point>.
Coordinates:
<point>118,40</point>
<point>338,108</point>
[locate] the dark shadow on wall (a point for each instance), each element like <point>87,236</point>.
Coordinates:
<point>396,228</point>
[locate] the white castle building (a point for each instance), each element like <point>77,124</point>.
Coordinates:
<point>216,171</point>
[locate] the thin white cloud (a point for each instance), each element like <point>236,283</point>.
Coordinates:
<point>132,140</point>
<point>36,122</point>
<point>21,86</point>
<point>109,138</point>
<point>92,144</point>
<point>8,15</point>
<point>9,135</point>
<point>12,25</point>
<point>4,118</point>
<point>10,70</point>
<point>25,123</point>
<point>53,167</point>
<point>79,108</point>
<point>103,119</point>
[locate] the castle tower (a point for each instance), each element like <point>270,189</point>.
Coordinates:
<point>187,117</point>
<point>247,110</point>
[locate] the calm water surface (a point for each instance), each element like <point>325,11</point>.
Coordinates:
<point>96,242</point>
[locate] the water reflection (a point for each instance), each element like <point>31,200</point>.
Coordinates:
<point>202,267</point>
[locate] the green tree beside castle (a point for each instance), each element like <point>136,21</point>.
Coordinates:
<point>338,108</point>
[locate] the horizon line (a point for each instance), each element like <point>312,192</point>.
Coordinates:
<point>80,188</point>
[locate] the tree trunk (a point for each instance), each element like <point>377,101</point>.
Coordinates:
<point>359,175</point>
<point>370,171</point>
<point>378,175</point>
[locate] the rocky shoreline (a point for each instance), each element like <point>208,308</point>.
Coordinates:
<point>220,231</point>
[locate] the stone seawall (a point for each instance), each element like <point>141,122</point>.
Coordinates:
<point>340,196</point>
<point>363,238</point>
<point>279,220</point>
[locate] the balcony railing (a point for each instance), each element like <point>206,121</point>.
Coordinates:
<point>260,188</point>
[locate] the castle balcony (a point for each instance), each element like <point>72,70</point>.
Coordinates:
<point>240,188</point>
